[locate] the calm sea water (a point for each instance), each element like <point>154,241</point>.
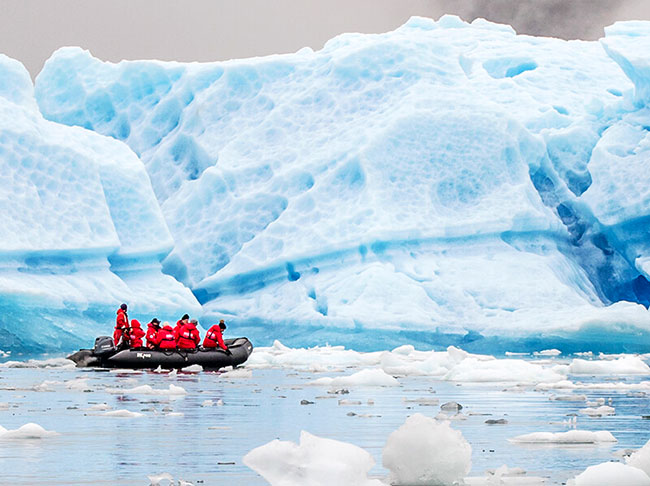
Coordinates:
<point>205,444</point>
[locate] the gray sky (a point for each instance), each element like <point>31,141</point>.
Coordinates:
<point>207,30</point>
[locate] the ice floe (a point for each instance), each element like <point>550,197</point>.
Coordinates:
<point>570,437</point>
<point>27,431</point>
<point>149,390</point>
<point>426,452</point>
<point>315,461</point>
<point>367,377</point>
<point>610,474</point>
<point>122,413</point>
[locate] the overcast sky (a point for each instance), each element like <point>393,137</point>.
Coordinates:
<point>207,30</point>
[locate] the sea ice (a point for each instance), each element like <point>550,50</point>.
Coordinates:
<point>570,437</point>
<point>122,413</point>
<point>316,461</point>
<point>27,431</point>
<point>367,377</point>
<point>641,458</point>
<point>426,452</point>
<point>609,474</point>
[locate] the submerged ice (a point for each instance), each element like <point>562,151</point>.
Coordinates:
<point>455,182</point>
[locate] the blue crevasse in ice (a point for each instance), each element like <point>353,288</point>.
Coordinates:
<point>82,230</point>
<point>442,179</point>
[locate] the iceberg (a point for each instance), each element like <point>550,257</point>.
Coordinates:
<point>82,230</point>
<point>445,183</point>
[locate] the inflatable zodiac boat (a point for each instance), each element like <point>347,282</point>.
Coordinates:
<point>105,355</point>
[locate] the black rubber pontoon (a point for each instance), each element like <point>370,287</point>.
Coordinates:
<point>240,349</point>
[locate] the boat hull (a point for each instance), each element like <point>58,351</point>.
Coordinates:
<point>240,349</point>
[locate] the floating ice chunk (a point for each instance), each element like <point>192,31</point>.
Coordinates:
<point>504,370</point>
<point>626,365</point>
<point>35,363</point>
<point>148,390</point>
<point>569,398</point>
<point>237,373</point>
<point>315,461</point>
<point>367,377</point>
<point>641,458</point>
<point>99,407</point>
<point>599,411</point>
<point>570,437</point>
<point>155,479</point>
<point>123,413</point>
<point>78,384</point>
<point>425,452</point>
<point>174,414</point>
<point>195,368</point>
<point>609,474</point>
<point>548,352</point>
<point>27,431</point>
<point>207,403</point>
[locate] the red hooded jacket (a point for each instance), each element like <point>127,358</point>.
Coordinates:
<point>121,325</point>
<point>177,327</point>
<point>188,336</point>
<point>152,331</point>
<point>214,338</point>
<point>165,338</point>
<point>136,334</point>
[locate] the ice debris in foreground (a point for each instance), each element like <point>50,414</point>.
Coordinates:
<point>421,452</point>
<point>426,452</point>
<point>610,474</point>
<point>315,461</point>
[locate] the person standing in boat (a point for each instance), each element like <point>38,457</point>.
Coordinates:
<point>165,338</point>
<point>135,335</point>
<point>152,330</point>
<point>188,336</point>
<point>180,323</point>
<point>214,337</point>
<point>121,325</point>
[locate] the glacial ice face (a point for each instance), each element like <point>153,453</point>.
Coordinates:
<point>444,178</point>
<point>82,229</point>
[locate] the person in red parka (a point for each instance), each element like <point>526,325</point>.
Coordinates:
<point>136,334</point>
<point>121,326</point>
<point>214,337</point>
<point>152,329</point>
<point>188,336</point>
<point>182,321</point>
<point>165,338</point>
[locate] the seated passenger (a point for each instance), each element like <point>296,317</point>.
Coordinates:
<point>183,320</point>
<point>135,335</point>
<point>214,337</point>
<point>152,329</point>
<point>188,336</point>
<point>165,338</point>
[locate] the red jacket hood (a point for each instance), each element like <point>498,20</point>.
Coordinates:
<point>135,323</point>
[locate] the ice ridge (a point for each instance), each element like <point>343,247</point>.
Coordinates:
<point>445,177</point>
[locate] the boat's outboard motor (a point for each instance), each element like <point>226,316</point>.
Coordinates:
<point>104,346</point>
